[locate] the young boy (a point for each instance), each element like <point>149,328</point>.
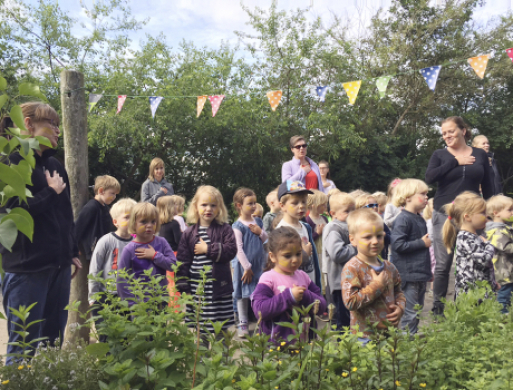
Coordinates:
<point>274,205</point>
<point>293,196</point>
<point>336,252</point>
<point>371,287</point>
<point>94,220</point>
<point>500,234</point>
<point>410,247</point>
<point>381,200</point>
<point>106,253</point>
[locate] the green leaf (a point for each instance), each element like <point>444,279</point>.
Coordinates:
<point>25,171</point>
<point>17,117</point>
<point>44,141</point>
<point>3,84</point>
<point>3,142</point>
<point>3,100</point>
<point>14,179</point>
<point>29,89</point>
<point>8,234</point>
<point>98,349</point>
<point>23,220</point>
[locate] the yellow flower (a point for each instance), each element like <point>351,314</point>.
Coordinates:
<point>21,367</point>
<point>278,348</point>
<point>392,350</point>
<point>355,369</point>
<point>327,369</point>
<point>29,366</point>
<point>279,361</point>
<point>297,351</point>
<point>422,385</point>
<point>283,343</point>
<point>233,380</point>
<point>397,383</point>
<point>276,387</point>
<point>5,382</point>
<point>271,350</point>
<point>345,374</point>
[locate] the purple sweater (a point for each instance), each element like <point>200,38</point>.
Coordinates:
<point>162,262</point>
<point>291,170</point>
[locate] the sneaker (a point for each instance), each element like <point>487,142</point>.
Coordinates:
<point>242,329</point>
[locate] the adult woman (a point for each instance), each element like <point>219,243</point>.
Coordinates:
<point>324,168</point>
<point>155,186</point>
<point>39,270</point>
<point>481,142</point>
<point>301,167</point>
<point>456,169</point>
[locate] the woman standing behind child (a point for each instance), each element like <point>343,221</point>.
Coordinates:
<point>250,261</point>
<point>208,242</point>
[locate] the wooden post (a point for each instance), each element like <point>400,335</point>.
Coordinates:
<point>74,128</point>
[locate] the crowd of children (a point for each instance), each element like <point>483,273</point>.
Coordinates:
<point>368,254</point>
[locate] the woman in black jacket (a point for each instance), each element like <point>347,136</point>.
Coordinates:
<point>456,168</point>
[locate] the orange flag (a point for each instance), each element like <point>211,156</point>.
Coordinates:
<point>479,64</point>
<point>200,104</point>
<point>274,98</point>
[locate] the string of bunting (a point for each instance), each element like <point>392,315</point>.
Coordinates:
<point>430,75</point>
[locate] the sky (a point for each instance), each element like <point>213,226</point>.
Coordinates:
<point>207,23</point>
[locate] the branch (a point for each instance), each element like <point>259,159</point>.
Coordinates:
<point>402,117</point>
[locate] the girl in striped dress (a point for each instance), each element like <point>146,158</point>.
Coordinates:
<point>209,241</point>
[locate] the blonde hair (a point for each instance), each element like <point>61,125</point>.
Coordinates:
<point>467,203</point>
<point>356,193</point>
<point>259,210</point>
<point>179,203</point>
<point>154,164</point>
<point>359,217</point>
<point>381,197</point>
<point>361,200</point>
<point>107,183</point>
<point>316,199</point>
<point>166,207</point>
<point>428,211</point>
<point>295,139</point>
<point>270,196</point>
<point>477,138</point>
<point>391,188</point>
<point>334,191</point>
<point>338,201</point>
<point>497,203</point>
<point>143,211</point>
<point>192,210</point>
<point>407,188</point>
<point>122,206</point>
<point>38,112</point>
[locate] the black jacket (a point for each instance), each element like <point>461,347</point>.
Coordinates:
<point>93,223</point>
<point>53,244</point>
<point>497,185</point>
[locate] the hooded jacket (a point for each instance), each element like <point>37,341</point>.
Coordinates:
<point>500,236</point>
<point>53,243</point>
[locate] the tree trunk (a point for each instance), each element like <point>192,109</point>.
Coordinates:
<point>74,127</point>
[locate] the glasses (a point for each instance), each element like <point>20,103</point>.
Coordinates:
<point>371,206</point>
<point>51,122</point>
<point>304,146</point>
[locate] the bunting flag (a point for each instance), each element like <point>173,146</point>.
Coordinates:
<point>274,98</point>
<point>154,104</point>
<point>382,84</point>
<point>352,89</point>
<point>321,92</point>
<point>93,99</point>
<point>200,104</point>
<point>479,64</point>
<point>215,101</point>
<point>431,75</point>
<point>510,53</point>
<point>121,101</point>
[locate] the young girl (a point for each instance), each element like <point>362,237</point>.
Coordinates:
<point>169,228</point>
<point>391,211</point>
<point>146,251</point>
<point>473,255</point>
<point>208,242</point>
<point>156,185</point>
<point>428,215</point>
<point>317,204</point>
<point>180,206</point>
<point>283,285</point>
<point>259,211</point>
<point>250,261</point>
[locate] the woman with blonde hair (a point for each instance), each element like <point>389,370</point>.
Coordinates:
<point>156,185</point>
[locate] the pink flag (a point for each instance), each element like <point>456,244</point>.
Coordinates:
<point>215,101</point>
<point>121,101</point>
<point>510,53</point>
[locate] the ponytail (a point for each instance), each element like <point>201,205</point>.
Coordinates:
<point>449,231</point>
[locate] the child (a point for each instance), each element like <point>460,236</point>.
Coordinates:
<point>428,216</point>
<point>146,252</point>
<point>179,202</point>
<point>208,242</point>
<point>156,185</point>
<point>283,285</point>
<point>94,220</point>
<point>317,204</point>
<point>259,211</point>
<point>410,247</point>
<point>170,227</point>
<point>500,234</point>
<point>274,207</point>
<point>473,255</point>
<point>371,287</point>
<point>105,255</point>
<point>293,196</point>
<point>250,261</point>
<point>381,199</point>
<point>336,252</point>
<point>391,211</point>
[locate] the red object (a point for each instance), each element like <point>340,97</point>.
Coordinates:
<point>449,217</point>
<point>510,53</point>
<point>311,181</point>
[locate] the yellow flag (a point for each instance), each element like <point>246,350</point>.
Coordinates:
<point>200,104</point>
<point>274,98</point>
<point>479,64</point>
<point>352,89</point>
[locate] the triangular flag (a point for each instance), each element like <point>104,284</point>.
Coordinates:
<point>510,53</point>
<point>200,104</point>
<point>382,84</point>
<point>479,64</point>
<point>121,101</point>
<point>154,104</point>
<point>274,98</point>
<point>352,89</point>
<point>431,75</point>
<point>321,92</point>
<point>215,101</point>
<point>93,99</point>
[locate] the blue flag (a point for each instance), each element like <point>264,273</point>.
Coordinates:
<point>431,75</point>
<point>154,104</point>
<point>321,92</point>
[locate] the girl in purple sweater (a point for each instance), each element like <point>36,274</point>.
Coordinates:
<point>283,285</point>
